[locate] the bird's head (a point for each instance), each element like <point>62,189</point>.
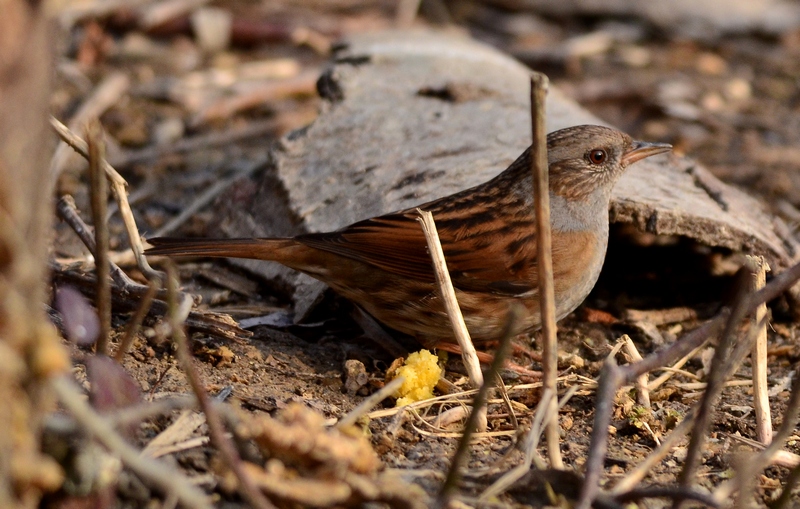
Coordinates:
<point>589,158</point>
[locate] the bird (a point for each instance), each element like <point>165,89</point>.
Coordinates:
<point>488,235</point>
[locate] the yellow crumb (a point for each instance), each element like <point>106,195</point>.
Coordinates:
<point>421,372</point>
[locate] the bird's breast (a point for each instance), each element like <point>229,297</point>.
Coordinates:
<point>578,257</point>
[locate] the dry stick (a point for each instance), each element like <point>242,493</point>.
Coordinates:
<point>675,368</point>
<point>99,199</point>
<point>479,402</point>
<point>720,372</point>
<point>544,259</point>
<point>636,475</point>
<point>366,405</point>
<point>542,415</point>
<point>612,377</point>
<point>118,185</point>
<point>501,385</point>
<point>136,321</point>
<point>105,95</point>
<point>68,212</point>
<point>686,425</point>
<point>448,293</point>
<point>758,268</point>
<point>713,388</point>
<point>168,479</point>
<point>206,322</point>
<point>760,460</point>
<point>216,429</point>
<point>642,392</point>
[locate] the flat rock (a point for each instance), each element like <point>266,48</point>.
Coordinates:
<point>412,116</point>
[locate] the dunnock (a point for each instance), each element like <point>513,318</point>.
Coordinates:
<point>488,234</point>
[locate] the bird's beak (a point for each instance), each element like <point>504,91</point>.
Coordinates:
<point>641,149</point>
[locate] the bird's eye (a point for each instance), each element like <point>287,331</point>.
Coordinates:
<point>597,156</point>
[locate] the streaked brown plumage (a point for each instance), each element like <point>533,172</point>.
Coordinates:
<point>488,235</point>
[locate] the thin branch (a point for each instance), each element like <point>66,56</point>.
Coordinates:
<point>104,96</point>
<point>642,381</point>
<point>99,199</point>
<point>759,461</point>
<point>366,405</point>
<point>716,378</point>
<point>758,268</point>
<point>68,212</point>
<point>541,416</point>
<point>612,377</point>
<point>636,475</point>
<point>544,259</point>
<point>448,294</point>
<point>118,186</point>
<point>479,402</point>
<point>206,197</point>
<point>216,429</point>
<point>136,321</point>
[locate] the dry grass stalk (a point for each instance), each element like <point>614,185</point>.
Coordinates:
<point>103,97</point>
<point>135,322</point>
<point>365,406</point>
<point>642,392</point>
<point>448,293</point>
<point>206,198</point>
<point>542,415</point>
<point>99,199</point>
<point>479,403</point>
<point>544,259</point>
<point>758,268</point>
<point>721,364</point>
<point>118,188</point>
<point>749,470</point>
<point>177,316</point>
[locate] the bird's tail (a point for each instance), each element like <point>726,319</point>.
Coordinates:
<point>274,249</point>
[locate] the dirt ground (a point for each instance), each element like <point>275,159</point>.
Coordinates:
<point>730,101</point>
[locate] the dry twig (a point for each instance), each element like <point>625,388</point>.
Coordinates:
<point>642,391</point>
<point>366,405</point>
<point>136,321</point>
<point>758,268</point>
<point>750,468</point>
<point>207,197</point>
<point>215,426</point>
<point>479,403</point>
<point>99,198</point>
<point>118,186</point>
<point>544,259</point>
<point>448,294</point>
<point>105,95</point>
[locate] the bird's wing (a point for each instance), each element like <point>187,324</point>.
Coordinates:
<point>483,253</point>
